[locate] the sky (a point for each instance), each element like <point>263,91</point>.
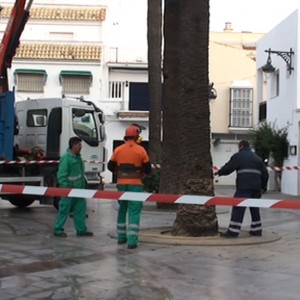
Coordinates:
<point>253,15</point>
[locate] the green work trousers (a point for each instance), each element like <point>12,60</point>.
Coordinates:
<point>77,206</point>
<point>134,209</point>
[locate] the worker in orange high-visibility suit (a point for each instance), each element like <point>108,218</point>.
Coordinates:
<point>130,163</point>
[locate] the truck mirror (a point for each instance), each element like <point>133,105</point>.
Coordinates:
<point>102,133</point>
<point>101,117</point>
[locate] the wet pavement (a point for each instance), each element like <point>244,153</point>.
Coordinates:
<point>36,265</point>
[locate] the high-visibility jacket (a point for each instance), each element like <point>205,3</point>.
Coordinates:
<point>130,162</point>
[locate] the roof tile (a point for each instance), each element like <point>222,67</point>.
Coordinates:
<point>62,13</point>
<point>87,52</point>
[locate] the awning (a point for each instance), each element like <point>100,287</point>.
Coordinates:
<point>65,73</point>
<point>75,73</point>
<point>30,71</point>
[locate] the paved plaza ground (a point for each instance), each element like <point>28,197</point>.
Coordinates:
<point>36,265</point>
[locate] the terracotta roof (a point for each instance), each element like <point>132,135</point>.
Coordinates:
<point>51,51</point>
<point>62,13</point>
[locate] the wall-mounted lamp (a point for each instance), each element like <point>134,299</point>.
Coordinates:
<point>285,55</point>
<point>217,141</point>
<point>212,93</point>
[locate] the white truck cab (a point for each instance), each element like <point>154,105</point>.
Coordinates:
<point>49,124</point>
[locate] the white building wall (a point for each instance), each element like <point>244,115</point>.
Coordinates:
<point>74,31</point>
<point>283,110</point>
<point>53,87</point>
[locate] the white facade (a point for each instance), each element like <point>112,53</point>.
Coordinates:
<point>282,94</point>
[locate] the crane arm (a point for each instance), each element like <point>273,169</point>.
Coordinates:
<point>11,39</point>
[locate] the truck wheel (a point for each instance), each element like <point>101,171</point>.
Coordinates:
<point>56,202</point>
<point>21,201</point>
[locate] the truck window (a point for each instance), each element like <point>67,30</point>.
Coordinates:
<point>36,118</point>
<point>84,125</point>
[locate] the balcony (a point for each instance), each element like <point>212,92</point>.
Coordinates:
<point>115,55</point>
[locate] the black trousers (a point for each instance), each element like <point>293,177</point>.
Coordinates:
<point>237,213</point>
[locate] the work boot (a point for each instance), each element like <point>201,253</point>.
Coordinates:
<point>61,234</point>
<point>122,242</point>
<point>255,233</point>
<point>132,246</point>
<point>87,233</point>
<point>228,234</point>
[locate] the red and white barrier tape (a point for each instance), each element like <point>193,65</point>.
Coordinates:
<point>154,166</point>
<point>38,162</point>
<point>149,197</point>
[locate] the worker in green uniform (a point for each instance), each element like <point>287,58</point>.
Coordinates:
<point>71,175</point>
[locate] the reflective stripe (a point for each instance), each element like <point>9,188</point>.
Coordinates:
<point>256,223</point>
<point>121,231</point>
<point>129,175</point>
<point>253,171</point>
<point>256,229</point>
<point>132,233</point>
<point>133,226</point>
<point>235,223</point>
<point>72,178</point>
<point>121,224</point>
<point>234,230</point>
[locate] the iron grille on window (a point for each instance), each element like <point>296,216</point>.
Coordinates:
<point>241,107</point>
<point>116,89</point>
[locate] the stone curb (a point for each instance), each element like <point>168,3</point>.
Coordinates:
<point>161,235</point>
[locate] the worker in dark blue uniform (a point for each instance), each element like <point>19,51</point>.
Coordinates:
<point>251,180</point>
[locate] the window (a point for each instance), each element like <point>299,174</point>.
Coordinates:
<point>241,103</point>
<point>262,112</point>
<point>61,36</point>
<point>275,84</point>
<point>84,124</point>
<point>36,118</point>
<point>75,82</point>
<point>28,80</point>
<point>116,89</point>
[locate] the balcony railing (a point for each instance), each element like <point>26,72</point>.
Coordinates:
<point>126,55</point>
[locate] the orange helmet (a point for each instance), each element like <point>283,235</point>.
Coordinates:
<point>132,131</point>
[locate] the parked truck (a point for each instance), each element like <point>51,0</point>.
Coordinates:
<point>34,133</point>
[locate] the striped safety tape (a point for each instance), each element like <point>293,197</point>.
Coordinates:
<point>154,166</point>
<point>30,162</point>
<point>149,197</point>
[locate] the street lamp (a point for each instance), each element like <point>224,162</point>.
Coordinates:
<point>285,55</point>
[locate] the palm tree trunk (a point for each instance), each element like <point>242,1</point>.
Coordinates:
<point>155,82</point>
<point>186,158</point>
